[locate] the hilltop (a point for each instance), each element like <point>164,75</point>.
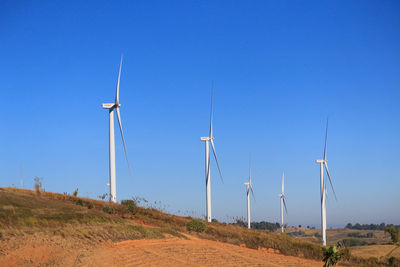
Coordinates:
<point>60,229</point>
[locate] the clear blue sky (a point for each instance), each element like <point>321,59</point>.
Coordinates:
<point>280,68</point>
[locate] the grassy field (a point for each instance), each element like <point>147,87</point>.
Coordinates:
<point>378,251</point>
<point>25,212</point>
<point>334,236</point>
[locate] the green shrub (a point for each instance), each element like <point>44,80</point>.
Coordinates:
<point>90,205</point>
<point>108,209</point>
<point>196,226</point>
<point>331,256</point>
<point>374,259</point>
<point>394,262</point>
<point>80,202</point>
<point>130,205</point>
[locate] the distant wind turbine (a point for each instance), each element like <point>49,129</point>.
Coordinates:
<point>210,139</point>
<point>249,186</point>
<point>283,201</point>
<point>324,163</point>
<point>111,107</point>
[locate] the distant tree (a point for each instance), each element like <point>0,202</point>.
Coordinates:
<point>299,225</point>
<point>349,225</point>
<point>394,233</point>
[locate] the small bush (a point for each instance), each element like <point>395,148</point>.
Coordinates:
<point>196,226</point>
<point>394,262</point>
<point>80,202</point>
<point>130,205</point>
<point>90,205</point>
<point>374,260</point>
<point>331,256</point>
<point>108,209</point>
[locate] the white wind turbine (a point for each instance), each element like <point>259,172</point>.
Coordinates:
<point>249,186</point>
<point>111,107</point>
<point>283,201</point>
<point>324,163</point>
<point>210,139</point>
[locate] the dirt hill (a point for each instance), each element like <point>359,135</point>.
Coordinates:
<point>63,230</point>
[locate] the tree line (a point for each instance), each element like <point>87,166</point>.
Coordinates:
<point>371,226</point>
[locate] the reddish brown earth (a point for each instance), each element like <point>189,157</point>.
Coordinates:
<point>40,251</point>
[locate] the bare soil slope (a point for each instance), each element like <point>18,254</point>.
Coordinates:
<point>39,250</point>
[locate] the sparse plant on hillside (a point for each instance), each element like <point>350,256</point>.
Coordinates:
<point>75,193</point>
<point>80,202</point>
<point>103,196</point>
<point>331,256</point>
<point>38,185</point>
<point>108,209</point>
<point>130,205</point>
<point>197,226</point>
<point>90,205</point>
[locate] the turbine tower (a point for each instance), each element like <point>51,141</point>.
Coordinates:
<point>249,186</point>
<point>111,107</point>
<point>324,164</point>
<point>207,140</point>
<point>283,201</point>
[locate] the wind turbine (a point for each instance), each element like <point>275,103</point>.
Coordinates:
<point>324,164</point>
<point>283,200</point>
<point>111,107</point>
<point>207,140</point>
<point>249,186</point>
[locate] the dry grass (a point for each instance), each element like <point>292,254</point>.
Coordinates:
<point>378,251</point>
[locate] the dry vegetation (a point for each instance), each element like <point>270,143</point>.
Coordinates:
<point>24,213</point>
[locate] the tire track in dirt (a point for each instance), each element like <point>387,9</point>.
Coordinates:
<point>185,252</point>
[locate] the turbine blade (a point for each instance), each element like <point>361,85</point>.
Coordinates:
<point>216,160</point>
<point>330,180</point>
<point>326,137</point>
<point>119,78</point>
<point>212,93</point>
<point>123,141</point>
<point>252,192</point>
<point>284,203</point>
<point>250,169</point>
<point>283,183</point>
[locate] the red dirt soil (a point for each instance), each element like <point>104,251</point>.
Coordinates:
<point>148,252</point>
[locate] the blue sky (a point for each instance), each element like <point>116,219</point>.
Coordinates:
<point>280,69</point>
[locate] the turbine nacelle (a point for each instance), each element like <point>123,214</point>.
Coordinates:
<point>206,138</point>
<point>111,105</point>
